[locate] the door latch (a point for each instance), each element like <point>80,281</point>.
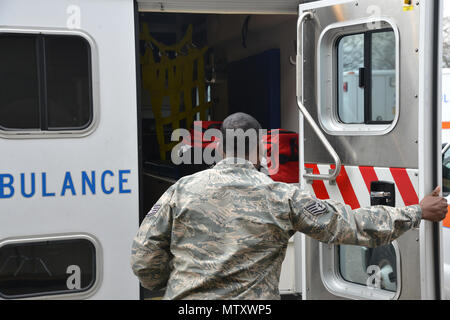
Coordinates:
<point>382,193</point>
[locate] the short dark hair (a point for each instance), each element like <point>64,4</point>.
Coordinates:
<point>241,121</point>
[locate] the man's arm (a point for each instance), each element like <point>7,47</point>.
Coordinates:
<point>339,224</point>
<point>333,222</point>
<point>150,258</point>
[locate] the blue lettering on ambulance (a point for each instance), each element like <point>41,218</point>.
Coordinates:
<point>4,185</point>
<point>22,185</point>
<point>85,181</point>
<point>68,184</point>
<point>109,181</point>
<point>122,180</point>
<point>105,191</point>
<point>44,186</point>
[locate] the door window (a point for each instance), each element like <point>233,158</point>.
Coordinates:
<point>358,78</point>
<point>371,267</point>
<point>366,78</point>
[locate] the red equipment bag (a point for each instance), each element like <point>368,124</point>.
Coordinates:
<point>202,126</point>
<point>285,168</point>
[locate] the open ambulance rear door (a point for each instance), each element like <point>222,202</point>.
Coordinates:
<point>375,140</point>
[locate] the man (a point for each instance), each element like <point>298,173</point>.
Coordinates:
<point>222,233</point>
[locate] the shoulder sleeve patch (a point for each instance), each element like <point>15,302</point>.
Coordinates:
<point>154,210</point>
<point>316,208</point>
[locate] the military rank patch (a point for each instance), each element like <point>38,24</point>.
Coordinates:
<point>154,210</point>
<point>316,208</point>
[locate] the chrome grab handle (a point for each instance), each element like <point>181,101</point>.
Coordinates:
<point>337,161</point>
<point>323,139</point>
<point>379,194</point>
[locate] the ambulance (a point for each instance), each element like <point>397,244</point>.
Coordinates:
<point>91,90</point>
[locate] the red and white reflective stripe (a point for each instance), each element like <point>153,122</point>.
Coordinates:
<point>353,184</point>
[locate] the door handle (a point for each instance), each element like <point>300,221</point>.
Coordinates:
<point>362,77</point>
<point>337,161</point>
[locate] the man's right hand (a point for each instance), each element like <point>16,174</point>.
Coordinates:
<point>434,207</point>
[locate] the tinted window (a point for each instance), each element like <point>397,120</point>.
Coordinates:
<point>46,267</point>
<point>19,95</point>
<point>68,93</point>
<point>45,82</point>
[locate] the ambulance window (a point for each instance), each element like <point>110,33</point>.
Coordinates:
<point>68,92</point>
<point>371,267</point>
<point>351,99</point>
<point>19,98</point>
<point>45,82</point>
<point>367,77</point>
<point>383,83</point>
<point>47,268</point>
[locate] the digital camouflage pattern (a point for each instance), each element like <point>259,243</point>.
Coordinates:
<point>222,233</point>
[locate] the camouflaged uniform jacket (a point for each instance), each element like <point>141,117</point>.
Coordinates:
<point>222,233</point>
